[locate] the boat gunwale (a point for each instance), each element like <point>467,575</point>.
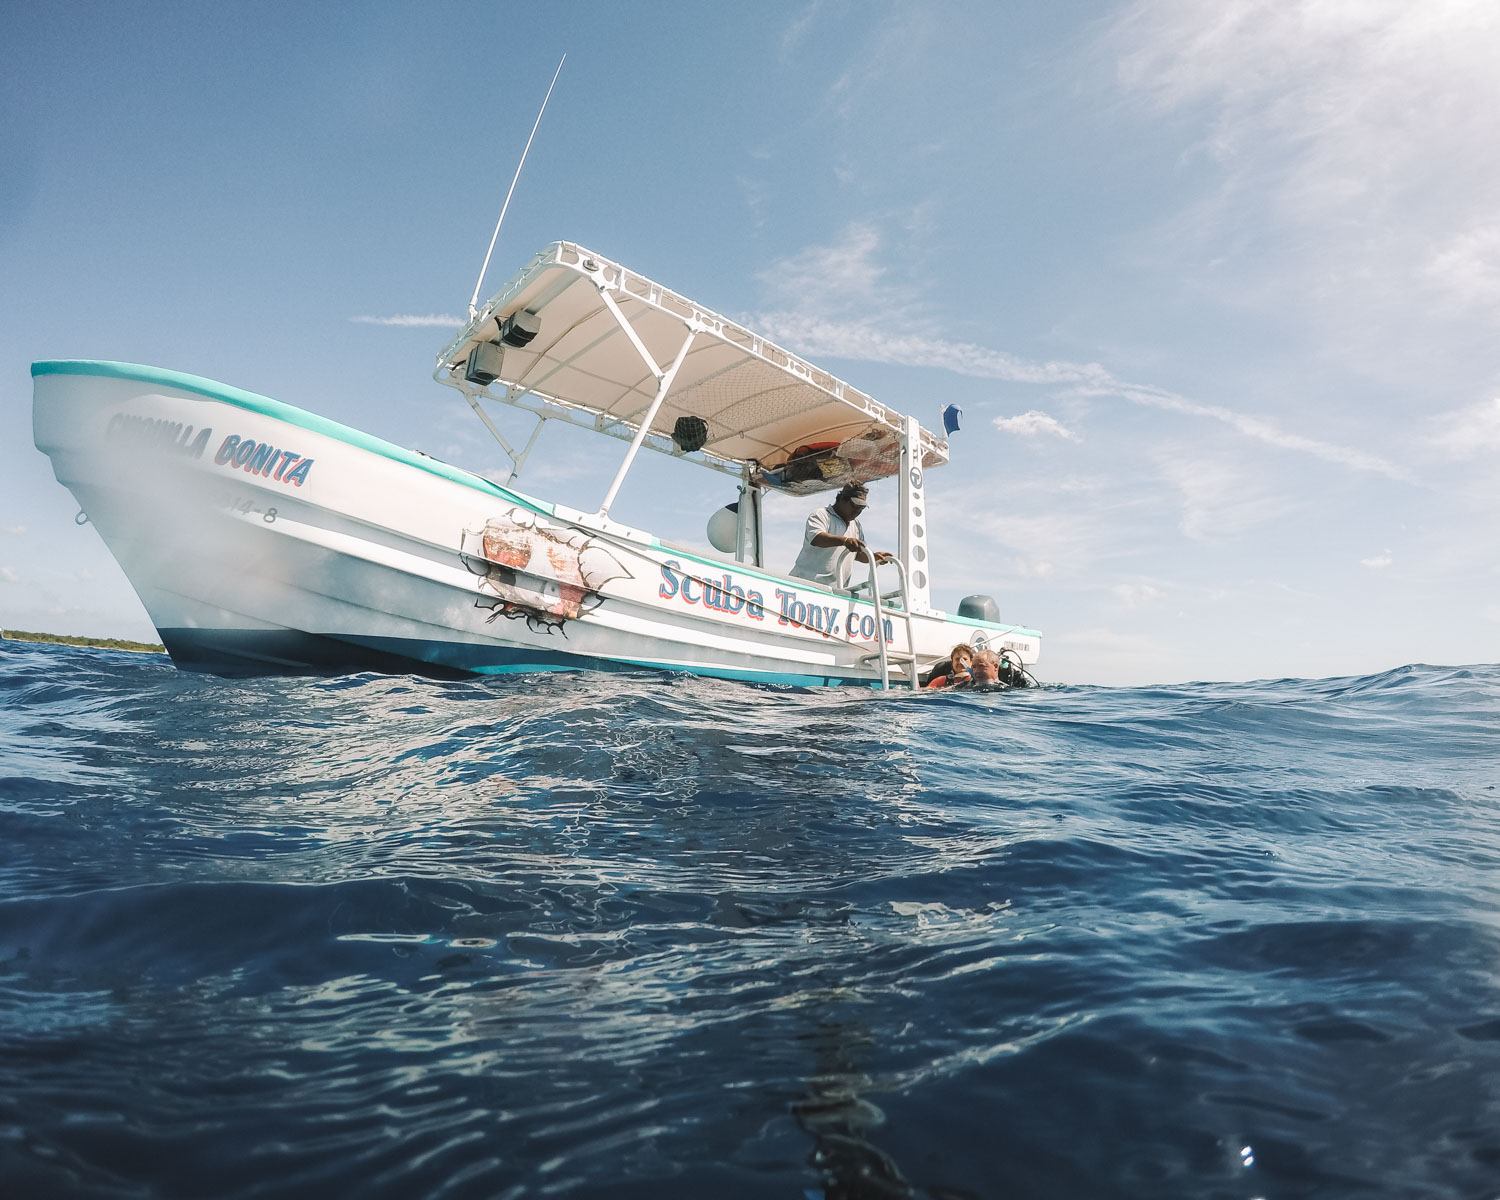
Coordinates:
<point>280,410</point>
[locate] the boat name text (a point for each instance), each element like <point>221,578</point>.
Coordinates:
<point>158,433</point>
<point>726,596</point>
<point>264,459</point>
<point>247,454</point>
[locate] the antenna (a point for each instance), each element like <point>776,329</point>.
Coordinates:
<point>479,283</point>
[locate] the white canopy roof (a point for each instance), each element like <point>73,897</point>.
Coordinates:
<point>595,322</point>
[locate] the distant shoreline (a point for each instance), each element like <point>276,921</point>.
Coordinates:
<point>68,639</point>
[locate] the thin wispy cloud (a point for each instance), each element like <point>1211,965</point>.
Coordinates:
<point>869,341</point>
<point>822,284</point>
<point>754,194</point>
<point>843,276</point>
<point>1058,535</point>
<point>1348,141</point>
<point>862,340</point>
<point>884,65</point>
<point>8,575</point>
<point>413,320</point>
<point>794,33</point>
<point>1255,428</point>
<point>1218,499</point>
<point>1331,99</point>
<point>1034,424</point>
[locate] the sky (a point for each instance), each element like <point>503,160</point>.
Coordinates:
<point>1217,285</point>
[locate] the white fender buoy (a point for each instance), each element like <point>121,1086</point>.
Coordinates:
<point>724,529</point>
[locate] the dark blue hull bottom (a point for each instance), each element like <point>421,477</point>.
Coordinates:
<point>238,652</point>
<point>241,652</point>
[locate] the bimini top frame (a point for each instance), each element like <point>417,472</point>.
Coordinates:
<point>578,338</point>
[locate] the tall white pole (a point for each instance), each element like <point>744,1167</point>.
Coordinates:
<point>479,283</point>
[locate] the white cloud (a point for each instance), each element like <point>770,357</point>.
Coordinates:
<point>1134,595</point>
<point>1469,431</point>
<point>7,575</point>
<point>841,277</point>
<point>1467,267</point>
<point>1033,423</point>
<point>13,530</point>
<point>1378,562</point>
<point>1219,499</point>
<point>413,320</point>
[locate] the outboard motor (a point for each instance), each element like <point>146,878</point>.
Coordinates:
<point>979,608</point>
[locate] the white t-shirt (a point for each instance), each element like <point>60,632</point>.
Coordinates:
<point>830,566</point>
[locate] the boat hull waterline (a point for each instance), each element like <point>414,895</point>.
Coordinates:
<point>262,538</point>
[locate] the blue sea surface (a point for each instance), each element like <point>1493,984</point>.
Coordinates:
<point>642,935</point>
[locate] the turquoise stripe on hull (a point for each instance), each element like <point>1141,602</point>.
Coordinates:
<point>253,402</point>
<point>778,678</point>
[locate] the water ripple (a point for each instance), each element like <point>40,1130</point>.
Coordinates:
<point>635,935</point>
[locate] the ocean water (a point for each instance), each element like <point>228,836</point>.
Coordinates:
<point>640,935</point>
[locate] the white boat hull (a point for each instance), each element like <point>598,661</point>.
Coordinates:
<point>263,538</point>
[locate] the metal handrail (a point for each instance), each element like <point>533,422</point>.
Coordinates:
<point>885,666</point>
<point>911,638</point>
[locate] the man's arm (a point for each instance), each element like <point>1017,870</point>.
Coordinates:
<point>849,541</point>
<point>817,533</point>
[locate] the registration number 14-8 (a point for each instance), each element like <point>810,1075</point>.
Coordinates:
<point>244,506</point>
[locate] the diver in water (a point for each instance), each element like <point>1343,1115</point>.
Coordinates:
<point>954,672</point>
<point>984,670</point>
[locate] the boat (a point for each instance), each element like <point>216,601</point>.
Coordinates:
<point>263,538</point>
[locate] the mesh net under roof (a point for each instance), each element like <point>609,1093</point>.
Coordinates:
<point>759,402</point>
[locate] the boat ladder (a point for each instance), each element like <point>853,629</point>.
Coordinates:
<point>885,655</point>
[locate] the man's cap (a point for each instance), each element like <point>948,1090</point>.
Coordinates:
<point>856,492</point>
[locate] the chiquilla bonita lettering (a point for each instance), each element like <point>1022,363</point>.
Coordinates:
<point>255,458</point>
<point>727,596</point>
<point>264,459</point>
<point>159,433</point>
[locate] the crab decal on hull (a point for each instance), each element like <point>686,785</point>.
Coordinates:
<point>542,575</point>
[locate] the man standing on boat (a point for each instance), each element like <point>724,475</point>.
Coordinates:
<point>834,539</point>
